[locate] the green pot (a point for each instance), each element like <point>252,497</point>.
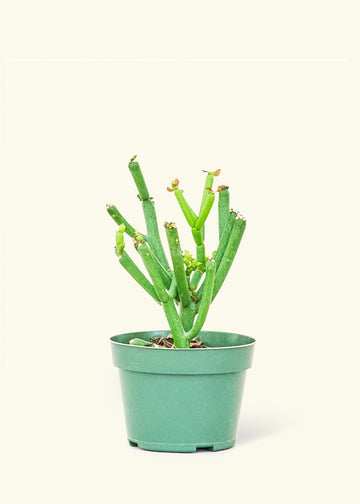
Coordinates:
<point>181,399</point>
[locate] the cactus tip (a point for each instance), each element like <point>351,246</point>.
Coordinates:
<point>138,239</point>
<point>174,185</point>
<point>170,225</point>
<point>216,173</point>
<point>239,216</point>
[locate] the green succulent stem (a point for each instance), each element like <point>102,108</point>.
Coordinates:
<point>152,228</point>
<point>167,302</point>
<point>120,219</point>
<point>178,263</point>
<point>223,208</point>
<point>141,342</point>
<point>166,275</point>
<point>119,240</point>
<point>225,236</point>
<point>175,325</point>
<point>197,236</point>
<point>205,210</point>
<point>179,285</point>
<point>205,300</point>
<point>209,180</point>
<point>152,235</point>
<point>200,257</point>
<point>153,270</point>
<point>187,315</point>
<point>229,254</point>
<point>128,264</point>
<point>173,291</point>
<point>188,212</point>
<point>137,175</point>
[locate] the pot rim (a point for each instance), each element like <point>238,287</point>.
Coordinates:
<point>113,341</point>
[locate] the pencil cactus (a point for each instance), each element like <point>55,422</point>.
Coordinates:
<point>187,289</point>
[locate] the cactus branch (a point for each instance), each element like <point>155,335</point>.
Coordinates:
<point>197,236</point>
<point>205,300</point>
<point>119,219</point>
<point>225,236</point>
<point>180,286</point>
<point>187,316</point>
<point>223,208</point>
<point>208,185</point>
<point>173,291</point>
<point>127,263</point>
<point>119,240</point>
<point>137,175</point>
<point>172,315</point>
<point>153,270</point>
<point>175,324</point>
<point>200,257</point>
<point>178,263</point>
<point>205,210</point>
<point>188,212</point>
<point>166,275</point>
<point>153,236</point>
<point>152,228</point>
<point>230,252</point>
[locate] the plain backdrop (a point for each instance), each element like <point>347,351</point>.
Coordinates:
<point>268,95</point>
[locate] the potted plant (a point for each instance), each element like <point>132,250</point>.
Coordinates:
<point>181,387</point>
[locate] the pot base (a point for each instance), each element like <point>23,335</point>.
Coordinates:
<point>181,448</point>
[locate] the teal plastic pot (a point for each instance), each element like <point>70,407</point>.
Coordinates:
<point>181,399</point>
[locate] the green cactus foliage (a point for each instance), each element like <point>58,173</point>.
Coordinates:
<point>186,289</point>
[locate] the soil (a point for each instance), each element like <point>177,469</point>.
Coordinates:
<point>168,342</point>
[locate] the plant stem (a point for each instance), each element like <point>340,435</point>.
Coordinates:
<point>176,327</point>
<point>205,210</point>
<point>230,252</point>
<point>188,212</point>
<point>127,263</point>
<point>208,185</point>
<point>173,292</point>
<point>171,314</point>
<point>187,316</point>
<point>119,219</point>
<point>137,175</point>
<point>223,208</point>
<point>178,263</point>
<point>205,300</point>
<point>153,270</point>
<point>152,229</point>
<point>224,238</point>
<point>166,275</point>
<point>187,311</point>
<point>200,257</point>
<point>153,236</point>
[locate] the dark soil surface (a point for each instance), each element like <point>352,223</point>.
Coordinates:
<point>168,342</point>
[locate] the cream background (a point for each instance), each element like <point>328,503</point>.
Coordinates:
<point>264,91</point>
